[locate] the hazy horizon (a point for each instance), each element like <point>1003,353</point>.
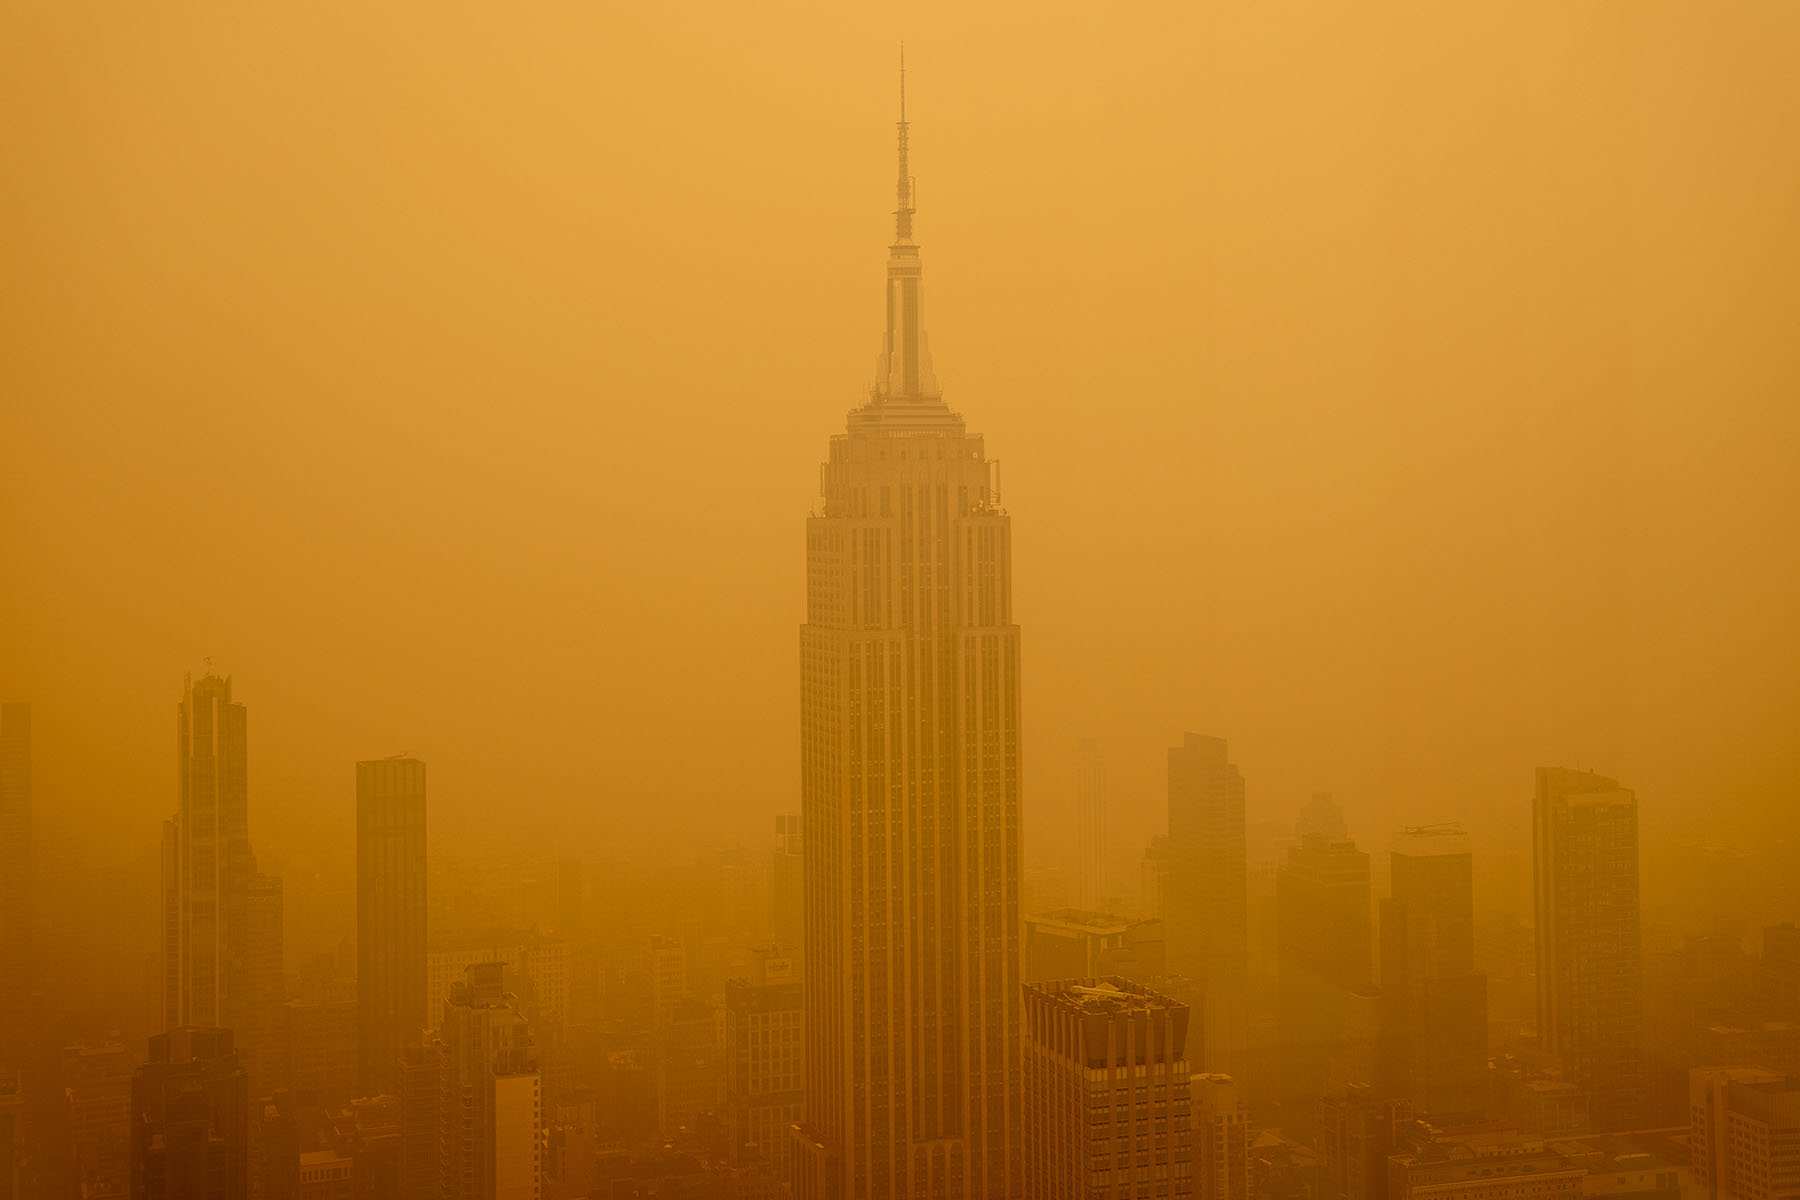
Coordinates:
<point>1405,396</point>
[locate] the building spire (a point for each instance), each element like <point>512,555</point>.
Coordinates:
<point>904,369</point>
<point>903,215</point>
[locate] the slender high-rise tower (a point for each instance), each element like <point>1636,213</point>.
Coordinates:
<point>390,917</point>
<point>1589,953</point>
<point>1436,999</point>
<point>910,793</point>
<point>207,866</point>
<point>1322,898</point>
<point>15,868</point>
<point>1206,908</point>
<point>1090,823</point>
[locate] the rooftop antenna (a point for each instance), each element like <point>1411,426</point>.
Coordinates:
<point>904,214</point>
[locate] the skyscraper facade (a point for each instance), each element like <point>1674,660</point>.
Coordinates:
<point>1106,1092</point>
<point>421,1090</point>
<point>190,1119</point>
<point>1589,952</point>
<point>764,1057</point>
<point>910,792</point>
<point>787,892</point>
<point>1090,824</point>
<point>1711,1137</point>
<point>1436,999</point>
<point>1206,907</point>
<point>207,866</point>
<point>1222,1137</point>
<point>490,1106</point>
<point>15,869</point>
<point>1357,1129</point>
<point>390,917</point>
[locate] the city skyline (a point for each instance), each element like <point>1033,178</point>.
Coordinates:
<point>1291,596</point>
<point>1401,402</point>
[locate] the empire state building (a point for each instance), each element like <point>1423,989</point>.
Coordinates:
<point>909,669</point>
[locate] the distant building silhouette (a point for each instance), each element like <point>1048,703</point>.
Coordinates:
<point>260,1042</point>
<point>190,1119</point>
<point>97,1079</point>
<point>1778,973</point>
<point>1153,878</point>
<point>1357,1129</point>
<point>1497,1165</point>
<point>1107,1092</point>
<point>689,1069</point>
<point>1069,943</point>
<point>36,1140</point>
<point>390,917</point>
<point>1436,1000</point>
<point>1589,953</point>
<point>787,895</point>
<point>1222,1137</point>
<point>1322,894</point>
<point>320,1030</point>
<point>569,897</point>
<point>536,972</point>
<point>1090,825</point>
<point>1206,898</point>
<point>1324,817</point>
<point>910,792</point>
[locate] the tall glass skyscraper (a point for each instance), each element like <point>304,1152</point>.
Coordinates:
<point>207,866</point>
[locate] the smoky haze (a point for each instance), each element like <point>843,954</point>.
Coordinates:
<point>1404,392</point>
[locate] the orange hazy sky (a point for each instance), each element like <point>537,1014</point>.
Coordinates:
<point>1408,392</point>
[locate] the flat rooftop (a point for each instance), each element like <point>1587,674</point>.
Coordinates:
<point>1102,997</point>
